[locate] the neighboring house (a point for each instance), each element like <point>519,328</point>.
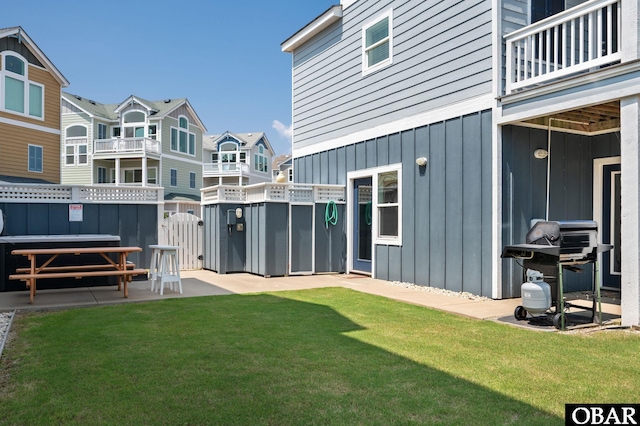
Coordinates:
<point>30,87</point>
<point>284,166</point>
<point>431,112</point>
<point>135,142</point>
<point>236,159</point>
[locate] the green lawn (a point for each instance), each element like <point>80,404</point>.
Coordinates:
<point>325,356</point>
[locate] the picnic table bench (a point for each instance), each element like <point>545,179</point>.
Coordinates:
<point>120,268</point>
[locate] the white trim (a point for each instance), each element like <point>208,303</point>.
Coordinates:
<point>598,174</point>
<point>184,160</point>
<point>366,70</point>
<point>30,126</point>
<point>468,106</point>
<point>312,29</point>
<point>496,206</point>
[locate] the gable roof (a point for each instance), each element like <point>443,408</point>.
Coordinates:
<point>110,111</point>
<point>247,140</point>
<point>23,38</point>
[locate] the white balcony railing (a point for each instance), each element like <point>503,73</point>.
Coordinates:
<point>126,145</point>
<point>584,37</point>
<point>224,169</point>
<point>51,193</point>
<point>273,192</point>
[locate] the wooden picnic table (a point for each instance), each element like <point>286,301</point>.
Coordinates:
<point>119,268</point>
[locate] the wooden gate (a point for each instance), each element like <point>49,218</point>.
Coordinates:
<point>185,231</point>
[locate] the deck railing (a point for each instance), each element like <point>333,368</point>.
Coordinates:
<point>126,145</point>
<point>50,193</point>
<point>579,39</point>
<point>217,169</point>
<point>273,192</point>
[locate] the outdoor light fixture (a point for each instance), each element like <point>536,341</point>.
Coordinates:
<point>421,161</point>
<point>540,153</point>
<point>239,213</point>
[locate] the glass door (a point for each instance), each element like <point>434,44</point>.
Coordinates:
<point>362,215</point>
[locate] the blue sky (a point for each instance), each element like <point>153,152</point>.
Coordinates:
<point>224,56</point>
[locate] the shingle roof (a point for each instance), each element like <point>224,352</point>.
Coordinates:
<point>16,179</point>
<point>249,139</point>
<point>181,197</point>
<point>108,110</point>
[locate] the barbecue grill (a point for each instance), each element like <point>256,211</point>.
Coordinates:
<point>552,246</point>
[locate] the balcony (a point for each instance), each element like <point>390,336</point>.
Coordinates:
<point>117,146</point>
<point>584,38</point>
<point>224,169</point>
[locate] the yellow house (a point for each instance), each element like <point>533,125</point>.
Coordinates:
<point>30,92</point>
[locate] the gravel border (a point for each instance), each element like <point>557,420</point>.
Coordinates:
<point>6,318</point>
<point>459,294</point>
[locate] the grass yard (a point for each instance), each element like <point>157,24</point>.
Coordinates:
<point>324,356</point>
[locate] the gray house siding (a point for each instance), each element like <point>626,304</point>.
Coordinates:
<point>524,189</point>
<point>446,208</point>
<point>441,55</point>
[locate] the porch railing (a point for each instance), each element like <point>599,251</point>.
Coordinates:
<point>217,169</point>
<point>579,39</point>
<point>273,192</point>
<point>126,145</point>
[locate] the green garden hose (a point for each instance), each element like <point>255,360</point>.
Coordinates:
<point>330,214</point>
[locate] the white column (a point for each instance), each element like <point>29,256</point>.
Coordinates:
<point>144,171</point>
<point>630,193</point>
<point>630,43</point>
<point>117,171</point>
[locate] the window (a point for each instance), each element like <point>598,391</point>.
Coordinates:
<point>383,213</point>
<point>290,175</point>
<point>102,131</point>
<point>76,146</point>
<point>102,175</point>
<point>174,177</point>
<point>377,43</point>
<point>181,139</point>
<point>35,158</point>
<point>192,180</point>
<point>21,96</point>
<point>387,205</point>
<point>153,131</point>
<point>135,175</point>
<point>260,160</point>
<point>116,132</point>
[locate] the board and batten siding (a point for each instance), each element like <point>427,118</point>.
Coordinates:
<point>441,55</point>
<point>446,209</point>
<point>524,189</point>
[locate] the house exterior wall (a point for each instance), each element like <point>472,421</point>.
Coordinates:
<point>446,209</point>
<point>524,189</point>
<point>77,174</point>
<point>441,55</point>
<point>17,132</point>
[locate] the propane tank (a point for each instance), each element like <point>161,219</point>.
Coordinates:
<point>536,294</point>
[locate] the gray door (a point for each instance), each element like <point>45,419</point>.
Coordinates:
<point>362,197</point>
<point>610,227</point>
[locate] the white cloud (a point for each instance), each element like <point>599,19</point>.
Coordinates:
<point>284,131</point>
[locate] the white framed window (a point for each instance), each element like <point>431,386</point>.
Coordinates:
<point>102,175</point>
<point>388,205</point>
<point>20,95</point>
<point>134,124</point>
<point>134,175</point>
<point>76,146</point>
<point>102,131</point>
<point>377,43</point>
<point>181,139</point>
<point>192,180</point>
<point>386,202</point>
<point>260,160</point>
<point>35,158</point>
<point>173,173</point>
